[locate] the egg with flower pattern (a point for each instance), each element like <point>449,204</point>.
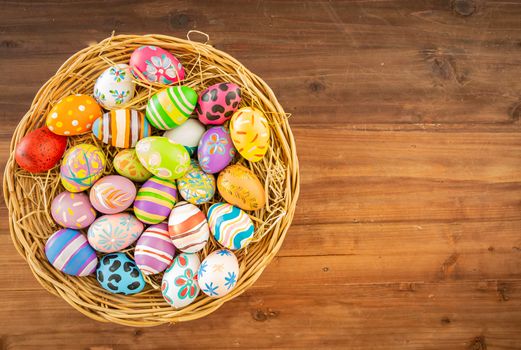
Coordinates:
<point>81,166</point>
<point>156,65</point>
<point>179,285</point>
<point>196,186</point>
<point>215,150</point>
<point>73,115</point>
<point>218,273</point>
<point>162,157</point>
<point>250,133</point>
<point>112,194</point>
<point>114,88</point>
<point>113,232</point>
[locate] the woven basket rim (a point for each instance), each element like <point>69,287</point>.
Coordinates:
<point>73,289</point>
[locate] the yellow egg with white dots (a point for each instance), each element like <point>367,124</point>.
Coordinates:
<point>73,115</point>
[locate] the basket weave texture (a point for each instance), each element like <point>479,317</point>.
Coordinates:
<point>28,196</point>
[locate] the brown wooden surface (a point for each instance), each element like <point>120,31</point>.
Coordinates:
<point>406,115</point>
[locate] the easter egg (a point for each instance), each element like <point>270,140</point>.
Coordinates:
<point>250,133</point>
<point>230,226</point>
<point>154,200</point>
<point>112,194</point>
<point>179,285</point>
<point>127,164</point>
<point>156,65</point>
<point>215,150</point>
<point>217,103</point>
<point>81,166</point>
<point>196,186</point>
<point>118,274</point>
<point>68,251</point>
<point>162,157</point>
<point>188,228</point>
<point>171,107</point>
<point>72,210</point>
<point>73,115</point>
<point>187,134</point>
<point>110,233</point>
<point>114,87</point>
<point>218,273</point>
<point>40,150</point>
<point>121,128</point>
<point>154,250</point>
<point>239,186</point>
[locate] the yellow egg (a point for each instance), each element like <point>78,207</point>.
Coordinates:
<point>250,133</point>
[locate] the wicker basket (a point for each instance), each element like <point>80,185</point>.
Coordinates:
<point>28,196</point>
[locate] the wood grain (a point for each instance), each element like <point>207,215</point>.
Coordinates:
<point>406,117</point>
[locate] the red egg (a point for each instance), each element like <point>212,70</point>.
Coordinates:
<point>40,150</point>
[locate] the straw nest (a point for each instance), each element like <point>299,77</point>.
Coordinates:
<point>28,196</point>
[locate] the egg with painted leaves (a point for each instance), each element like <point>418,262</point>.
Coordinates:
<point>217,103</point>
<point>162,157</point>
<point>72,210</point>
<point>115,87</point>
<point>112,194</point>
<point>179,285</point>
<point>118,274</point>
<point>240,186</point>
<point>215,150</point>
<point>113,232</point>
<point>73,115</point>
<point>81,166</point>
<point>218,273</point>
<point>127,164</point>
<point>250,133</point>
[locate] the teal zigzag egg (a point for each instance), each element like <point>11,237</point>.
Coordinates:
<point>230,226</point>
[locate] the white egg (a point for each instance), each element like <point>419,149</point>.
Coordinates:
<point>187,134</point>
<point>179,285</point>
<point>218,273</point>
<point>114,88</point>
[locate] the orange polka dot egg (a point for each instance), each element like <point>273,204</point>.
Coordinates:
<point>73,115</point>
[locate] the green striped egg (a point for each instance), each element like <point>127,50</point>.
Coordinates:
<point>154,200</point>
<point>171,107</point>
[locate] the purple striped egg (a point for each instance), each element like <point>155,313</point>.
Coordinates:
<point>154,200</point>
<point>154,250</point>
<point>69,251</point>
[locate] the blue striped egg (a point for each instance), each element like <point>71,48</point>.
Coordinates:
<point>230,226</point>
<point>69,251</point>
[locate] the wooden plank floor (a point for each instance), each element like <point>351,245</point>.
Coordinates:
<point>407,120</point>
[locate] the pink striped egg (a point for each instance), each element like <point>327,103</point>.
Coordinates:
<point>72,210</point>
<point>154,250</point>
<point>68,251</point>
<point>188,228</point>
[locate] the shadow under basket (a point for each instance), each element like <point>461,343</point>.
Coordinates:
<point>28,196</point>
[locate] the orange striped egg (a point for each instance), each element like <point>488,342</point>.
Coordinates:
<point>121,128</point>
<point>73,115</point>
<point>154,250</point>
<point>250,133</point>
<point>188,228</point>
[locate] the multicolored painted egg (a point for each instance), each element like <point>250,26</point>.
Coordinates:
<point>72,210</point>
<point>162,157</point>
<point>110,233</point>
<point>179,285</point>
<point>215,150</point>
<point>73,115</point>
<point>127,164</point>
<point>81,166</point>
<point>68,251</point>
<point>118,274</point>
<point>188,228</point>
<point>218,273</point>
<point>196,186</point>
<point>112,194</point>
<point>154,200</point>
<point>114,88</point>
<point>217,103</point>
<point>250,133</point>
<point>40,150</point>
<point>239,186</point>
<point>156,65</point>
<point>154,250</point>
<point>187,134</point>
<point>171,107</point>
<point>121,128</point>
<point>230,226</point>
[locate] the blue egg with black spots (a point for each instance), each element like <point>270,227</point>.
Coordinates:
<point>117,273</point>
